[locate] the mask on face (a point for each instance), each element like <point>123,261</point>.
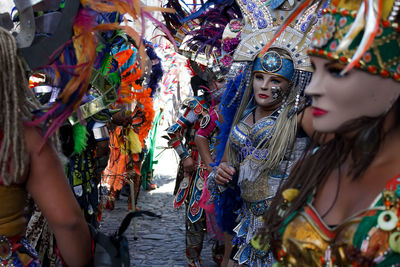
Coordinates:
<point>357,70</point>
<point>337,100</point>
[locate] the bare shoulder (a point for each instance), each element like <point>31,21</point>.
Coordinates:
<point>33,137</point>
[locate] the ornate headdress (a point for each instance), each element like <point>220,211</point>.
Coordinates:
<point>208,39</point>
<point>362,34</point>
<point>262,24</point>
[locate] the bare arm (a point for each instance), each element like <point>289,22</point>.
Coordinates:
<point>224,172</point>
<point>49,188</point>
<point>204,149</point>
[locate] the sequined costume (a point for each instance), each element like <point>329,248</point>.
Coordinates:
<point>257,190</point>
<point>370,236</point>
<point>209,130</point>
<point>191,186</point>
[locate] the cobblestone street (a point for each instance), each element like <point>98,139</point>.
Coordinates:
<point>160,242</point>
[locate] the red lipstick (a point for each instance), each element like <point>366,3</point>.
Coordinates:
<point>263,96</point>
<point>317,112</point>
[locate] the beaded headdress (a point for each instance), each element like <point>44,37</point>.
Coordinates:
<point>361,34</point>
<point>262,22</point>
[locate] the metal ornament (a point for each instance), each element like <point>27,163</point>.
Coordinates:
<point>271,61</point>
<point>276,92</point>
<point>205,121</point>
<point>5,248</point>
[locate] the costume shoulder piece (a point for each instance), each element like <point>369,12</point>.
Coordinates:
<point>198,104</point>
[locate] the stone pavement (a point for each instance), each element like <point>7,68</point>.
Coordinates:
<point>160,242</point>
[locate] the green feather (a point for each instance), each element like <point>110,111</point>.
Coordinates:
<point>80,138</point>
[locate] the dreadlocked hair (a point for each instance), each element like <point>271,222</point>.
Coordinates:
<point>14,100</point>
<point>318,161</point>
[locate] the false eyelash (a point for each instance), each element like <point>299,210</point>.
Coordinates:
<point>336,72</point>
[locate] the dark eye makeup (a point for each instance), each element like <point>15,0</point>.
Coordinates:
<point>259,77</point>
<point>275,81</point>
<point>335,69</point>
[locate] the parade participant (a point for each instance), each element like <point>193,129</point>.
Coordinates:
<point>28,167</point>
<point>218,33</point>
<point>191,183</point>
<point>153,82</point>
<point>205,141</point>
<point>340,205</point>
<point>266,138</point>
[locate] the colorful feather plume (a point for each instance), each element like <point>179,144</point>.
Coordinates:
<point>72,69</point>
<point>81,135</point>
<point>372,10</point>
<point>208,37</point>
<point>229,105</point>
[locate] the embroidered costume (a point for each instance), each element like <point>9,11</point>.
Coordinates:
<point>190,186</point>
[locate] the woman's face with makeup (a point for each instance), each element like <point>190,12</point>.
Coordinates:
<point>338,99</point>
<point>266,87</point>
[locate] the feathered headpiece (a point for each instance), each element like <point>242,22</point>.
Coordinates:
<point>70,61</point>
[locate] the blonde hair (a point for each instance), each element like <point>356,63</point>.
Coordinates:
<point>15,104</point>
<point>284,132</point>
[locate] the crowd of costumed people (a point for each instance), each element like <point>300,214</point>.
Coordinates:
<point>282,115</point>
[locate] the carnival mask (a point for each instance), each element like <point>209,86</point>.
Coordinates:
<point>337,99</point>
<point>269,89</point>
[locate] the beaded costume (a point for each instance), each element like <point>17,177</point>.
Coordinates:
<point>257,193</point>
<point>370,236</point>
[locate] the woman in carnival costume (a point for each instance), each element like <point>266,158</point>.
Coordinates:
<point>270,127</point>
<point>340,206</point>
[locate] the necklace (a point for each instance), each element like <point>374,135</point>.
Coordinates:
<point>254,116</point>
<point>336,195</point>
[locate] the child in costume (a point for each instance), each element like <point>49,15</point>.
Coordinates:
<point>340,205</point>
